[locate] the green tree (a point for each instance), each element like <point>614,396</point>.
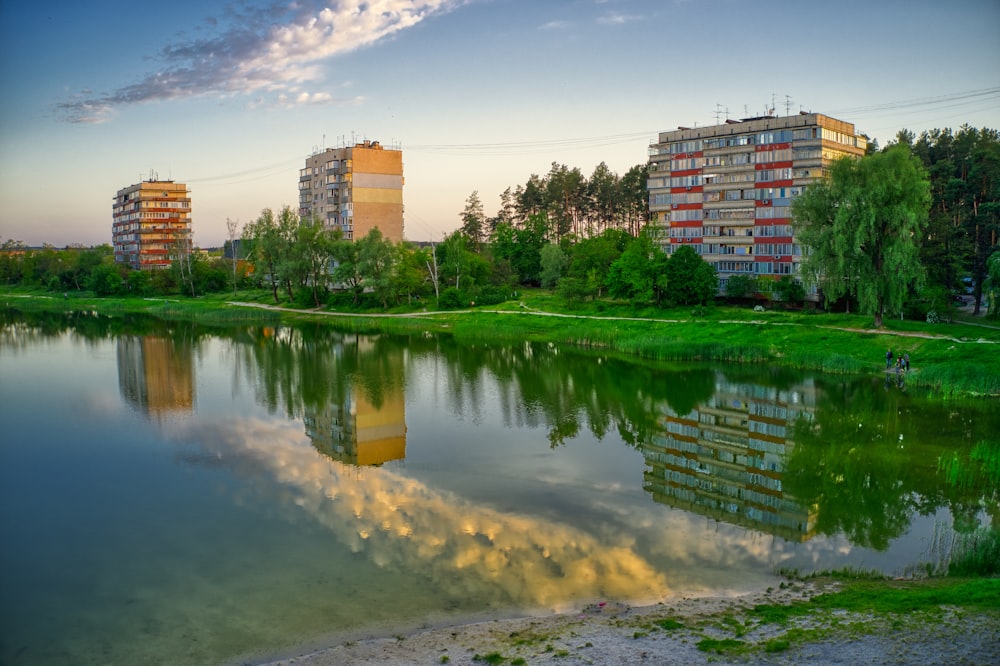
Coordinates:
<point>690,279</point>
<point>741,285</point>
<point>554,262</point>
<point>456,260</point>
<point>789,290</point>
<point>377,263</point>
<point>269,251</point>
<point>347,271</point>
<point>313,254</point>
<point>992,285</point>
<point>863,227</point>
<point>474,221</point>
<point>639,274</point>
<point>411,277</point>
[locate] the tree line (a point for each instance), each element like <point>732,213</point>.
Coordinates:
<point>923,228</point>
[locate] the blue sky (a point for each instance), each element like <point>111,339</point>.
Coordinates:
<point>231,96</point>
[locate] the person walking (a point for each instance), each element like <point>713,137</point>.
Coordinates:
<point>888,359</point>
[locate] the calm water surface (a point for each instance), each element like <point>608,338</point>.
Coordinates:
<point>174,493</point>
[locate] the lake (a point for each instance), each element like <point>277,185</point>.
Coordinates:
<point>186,494</point>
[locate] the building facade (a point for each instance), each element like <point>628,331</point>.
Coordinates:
<point>355,189</point>
<point>726,458</point>
<point>151,224</point>
<point>726,190</point>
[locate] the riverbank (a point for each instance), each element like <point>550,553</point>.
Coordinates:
<point>823,621</point>
<point>952,359</point>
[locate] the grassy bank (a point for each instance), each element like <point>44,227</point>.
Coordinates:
<point>952,359</point>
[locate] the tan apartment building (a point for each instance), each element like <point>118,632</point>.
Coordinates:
<point>355,189</point>
<point>151,224</point>
<point>726,190</point>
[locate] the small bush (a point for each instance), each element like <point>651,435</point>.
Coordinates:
<point>493,296</point>
<point>933,317</point>
<point>453,299</point>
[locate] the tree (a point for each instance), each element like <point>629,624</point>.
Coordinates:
<point>474,221</point>
<point>789,290</point>
<point>992,286</point>
<point>554,262</point>
<point>232,229</point>
<point>639,274</point>
<point>690,279</point>
<point>741,285</point>
<point>266,248</point>
<point>863,227</point>
<point>456,260</point>
<point>313,252</point>
<point>377,261</point>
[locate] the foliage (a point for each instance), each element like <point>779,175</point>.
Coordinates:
<point>474,221</point>
<point>992,287</point>
<point>639,274</point>
<point>741,285</point>
<point>452,299</point>
<point>690,279</point>
<point>553,263</point>
<point>789,290</point>
<point>964,168</point>
<point>863,226</point>
<point>977,554</point>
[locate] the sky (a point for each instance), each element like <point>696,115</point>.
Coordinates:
<point>231,96</point>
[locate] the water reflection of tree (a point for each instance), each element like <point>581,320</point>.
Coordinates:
<point>869,461</point>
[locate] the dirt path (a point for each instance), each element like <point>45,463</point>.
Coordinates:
<point>542,313</point>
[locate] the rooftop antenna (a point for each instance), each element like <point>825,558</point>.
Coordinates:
<point>718,112</point>
<point>788,105</point>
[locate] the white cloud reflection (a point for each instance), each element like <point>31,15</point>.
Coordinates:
<point>402,523</point>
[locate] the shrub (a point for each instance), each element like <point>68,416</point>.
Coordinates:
<point>453,299</point>
<point>493,295</point>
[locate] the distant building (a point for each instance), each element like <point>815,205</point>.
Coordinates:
<point>354,189</point>
<point>151,224</point>
<point>726,190</point>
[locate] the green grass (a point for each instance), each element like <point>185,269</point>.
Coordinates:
<point>962,360</point>
<point>977,554</point>
<point>720,645</point>
<point>890,597</point>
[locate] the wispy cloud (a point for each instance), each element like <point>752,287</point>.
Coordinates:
<point>617,19</point>
<point>275,50</point>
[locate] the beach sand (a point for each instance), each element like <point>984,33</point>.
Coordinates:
<point>669,633</point>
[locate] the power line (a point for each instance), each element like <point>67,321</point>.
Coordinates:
<point>985,94</point>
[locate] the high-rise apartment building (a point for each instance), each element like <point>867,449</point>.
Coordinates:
<point>354,189</point>
<point>151,224</point>
<point>726,190</point>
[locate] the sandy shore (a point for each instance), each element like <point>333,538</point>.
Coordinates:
<point>670,633</point>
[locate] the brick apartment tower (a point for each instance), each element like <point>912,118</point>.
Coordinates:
<point>726,190</point>
<point>151,224</point>
<point>354,189</point>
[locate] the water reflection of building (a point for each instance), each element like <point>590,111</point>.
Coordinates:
<point>359,432</point>
<point>154,375</point>
<point>726,458</point>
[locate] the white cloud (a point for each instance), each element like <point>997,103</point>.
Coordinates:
<point>617,19</point>
<point>270,49</point>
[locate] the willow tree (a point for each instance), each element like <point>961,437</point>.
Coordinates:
<point>863,227</point>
